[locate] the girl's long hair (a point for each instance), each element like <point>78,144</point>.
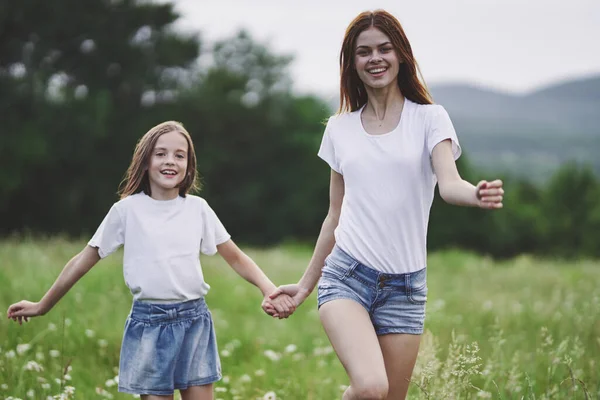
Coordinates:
<point>352,90</point>
<point>136,178</point>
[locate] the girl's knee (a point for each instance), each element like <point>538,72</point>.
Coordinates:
<point>371,389</point>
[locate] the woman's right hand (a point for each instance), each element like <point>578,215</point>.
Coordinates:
<point>23,310</point>
<point>295,291</point>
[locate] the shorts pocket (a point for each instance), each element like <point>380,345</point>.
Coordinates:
<point>333,271</point>
<point>418,296</point>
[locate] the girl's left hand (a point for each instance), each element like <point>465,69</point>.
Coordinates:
<point>489,194</point>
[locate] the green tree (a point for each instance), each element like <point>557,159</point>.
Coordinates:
<point>80,82</point>
<point>572,213</point>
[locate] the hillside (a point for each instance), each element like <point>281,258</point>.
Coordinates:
<point>531,134</point>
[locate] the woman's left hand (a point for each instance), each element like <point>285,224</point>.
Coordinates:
<point>489,194</point>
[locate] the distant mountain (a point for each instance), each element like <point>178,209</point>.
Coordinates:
<point>572,106</point>
<point>529,134</point>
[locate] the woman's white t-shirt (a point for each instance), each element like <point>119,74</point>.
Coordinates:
<point>389,185</point>
<point>162,244</point>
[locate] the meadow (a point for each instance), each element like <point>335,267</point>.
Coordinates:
<point>524,328</point>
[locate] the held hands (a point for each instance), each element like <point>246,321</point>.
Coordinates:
<point>297,294</point>
<point>281,307</point>
<point>23,310</point>
<point>489,194</point>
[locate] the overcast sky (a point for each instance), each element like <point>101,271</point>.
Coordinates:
<point>514,46</point>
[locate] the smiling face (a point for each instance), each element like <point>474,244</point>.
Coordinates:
<point>375,59</point>
<point>167,166</point>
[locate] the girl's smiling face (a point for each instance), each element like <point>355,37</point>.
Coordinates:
<point>168,165</point>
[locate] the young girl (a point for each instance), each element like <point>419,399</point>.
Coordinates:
<point>169,342</point>
<point>387,147</point>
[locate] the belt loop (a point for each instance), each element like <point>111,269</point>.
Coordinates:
<point>351,269</point>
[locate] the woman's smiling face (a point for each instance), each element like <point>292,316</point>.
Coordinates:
<point>375,59</point>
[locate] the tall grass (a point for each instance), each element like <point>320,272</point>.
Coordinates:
<point>521,329</point>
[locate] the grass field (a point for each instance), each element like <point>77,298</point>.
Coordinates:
<point>521,329</point>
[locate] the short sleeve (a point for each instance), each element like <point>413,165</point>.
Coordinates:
<point>327,149</point>
<point>213,231</point>
<point>439,129</point>
<point>110,234</point>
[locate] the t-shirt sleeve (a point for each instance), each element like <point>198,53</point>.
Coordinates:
<point>439,129</point>
<point>327,149</point>
<point>110,235</point>
<point>213,231</point>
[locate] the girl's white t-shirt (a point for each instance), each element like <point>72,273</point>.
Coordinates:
<point>389,185</point>
<point>162,243</point>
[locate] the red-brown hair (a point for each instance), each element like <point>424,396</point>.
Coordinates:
<point>136,177</point>
<point>352,90</point>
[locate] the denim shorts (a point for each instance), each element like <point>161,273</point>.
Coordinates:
<point>167,347</point>
<point>395,302</point>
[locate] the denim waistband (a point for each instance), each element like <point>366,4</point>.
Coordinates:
<point>373,277</point>
<point>158,312</point>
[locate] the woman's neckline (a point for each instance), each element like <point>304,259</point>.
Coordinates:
<point>376,135</point>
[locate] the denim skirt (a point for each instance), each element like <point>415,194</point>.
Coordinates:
<point>395,302</point>
<point>167,347</point>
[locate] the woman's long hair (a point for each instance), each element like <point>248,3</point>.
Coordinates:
<point>136,178</point>
<point>352,90</point>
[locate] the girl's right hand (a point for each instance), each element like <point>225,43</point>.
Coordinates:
<point>23,310</point>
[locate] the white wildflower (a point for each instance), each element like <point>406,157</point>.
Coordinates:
<point>290,348</point>
<point>54,353</point>
<point>104,393</point>
<point>270,396</point>
<point>271,355</point>
<point>22,348</point>
<point>33,366</point>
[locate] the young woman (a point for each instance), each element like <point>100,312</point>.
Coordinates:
<point>387,147</point>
